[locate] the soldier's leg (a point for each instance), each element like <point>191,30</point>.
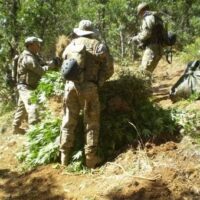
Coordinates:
<point>150,58</point>
<point>69,122</point>
<point>31,109</point>
<point>18,117</point>
<point>91,121</point>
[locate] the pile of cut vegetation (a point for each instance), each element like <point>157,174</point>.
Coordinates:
<point>128,113</point>
<point>127,116</point>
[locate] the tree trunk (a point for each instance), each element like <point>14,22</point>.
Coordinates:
<point>122,43</point>
<point>15,33</point>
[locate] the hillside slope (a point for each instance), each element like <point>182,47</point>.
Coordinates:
<point>158,172</point>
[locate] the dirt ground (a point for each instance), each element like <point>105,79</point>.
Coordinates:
<point>169,171</point>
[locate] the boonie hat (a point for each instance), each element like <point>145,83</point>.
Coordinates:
<point>33,39</point>
<point>85,27</point>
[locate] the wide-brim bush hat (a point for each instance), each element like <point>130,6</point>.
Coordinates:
<point>85,27</point>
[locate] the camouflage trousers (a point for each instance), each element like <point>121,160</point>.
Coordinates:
<point>152,54</point>
<point>24,107</point>
<point>81,97</point>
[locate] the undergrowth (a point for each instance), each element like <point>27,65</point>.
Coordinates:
<point>127,115</point>
<point>191,52</point>
<point>43,138</point>
<point>6,107</point>
<point>42,145</point>
<point>187,116</point>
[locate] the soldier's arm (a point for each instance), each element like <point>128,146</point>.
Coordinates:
<point>53,64</point>
<point>146,28</point>
<point>32,65</point>
<point>39,68</point>
<point>103,56</point>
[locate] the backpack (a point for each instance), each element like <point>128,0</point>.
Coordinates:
<point>11,73</point>
<point>76,56</point>
<point>70,69</point>
<point>164,37</point>
<point>188,83</point>
<point>160,33</point>
<point>74,60</point>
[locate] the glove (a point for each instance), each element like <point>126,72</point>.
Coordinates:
<point>132,39</point>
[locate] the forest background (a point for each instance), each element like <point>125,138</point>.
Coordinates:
<point>116,20</point>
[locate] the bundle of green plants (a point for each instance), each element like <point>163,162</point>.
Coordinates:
<point>51,84</point>
<point>43,138</point>
<point>42,145</point>
<point>129,115</point>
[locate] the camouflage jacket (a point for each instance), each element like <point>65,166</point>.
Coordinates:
<point>147,32</point>
<point>31,68</point>
<point>96,61</point>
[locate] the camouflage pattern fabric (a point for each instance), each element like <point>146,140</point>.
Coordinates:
<point>151,56</point>
<point>81,96</point>
<point>31,67</point>
<point>29,72</point>
<point>84,96</point>
<point>153,51</point>
<point>24,107</point>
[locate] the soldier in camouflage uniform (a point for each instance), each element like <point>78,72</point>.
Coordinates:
<point>84,95</point>
<point>148,38</point>
<point>30,69</point>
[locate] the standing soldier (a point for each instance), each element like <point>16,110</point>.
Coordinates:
<point>30,69</point>
<point>83,93</point>
<point>150,37</point>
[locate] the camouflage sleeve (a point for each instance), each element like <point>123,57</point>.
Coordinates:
<point>146,28</point>
<point>33,65</point>
<point>101,50</point>
<point>67,50</point>
<point>104,69</point>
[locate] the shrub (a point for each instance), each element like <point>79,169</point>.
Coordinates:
<point>187,117</point>
<point>43,143</point>
<point>128,114</point>
<point>191,52</point>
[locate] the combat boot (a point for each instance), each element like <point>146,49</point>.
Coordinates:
<point>17,130</point>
